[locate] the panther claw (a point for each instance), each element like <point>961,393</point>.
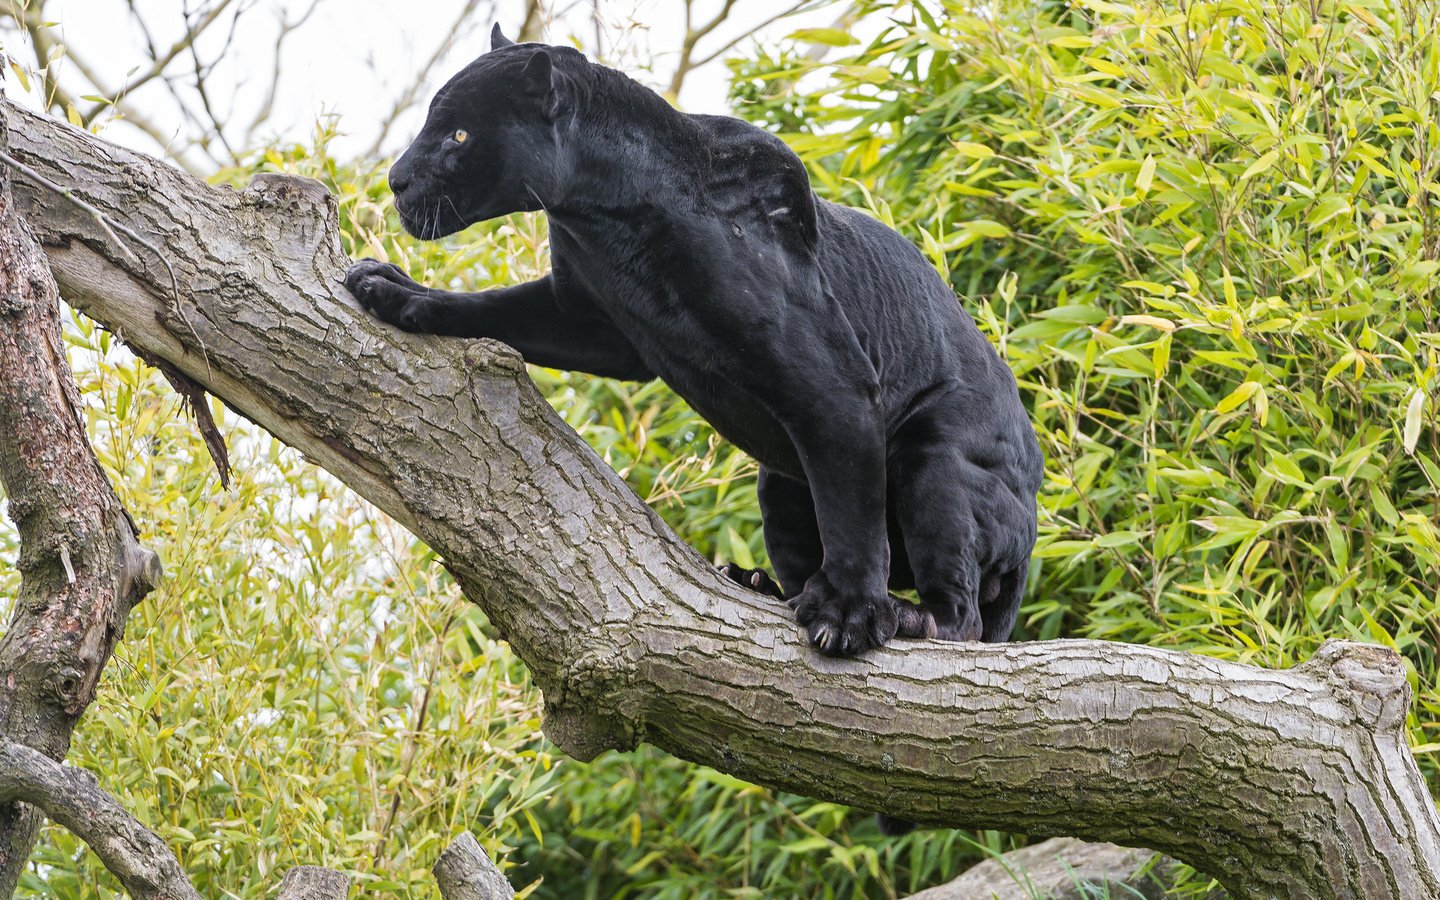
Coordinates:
<point>755,579</point>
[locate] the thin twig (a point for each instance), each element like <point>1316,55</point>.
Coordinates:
<point>159,63</point>
<point>407,99</point>
<point>99,217</point>
<point>287,26</point>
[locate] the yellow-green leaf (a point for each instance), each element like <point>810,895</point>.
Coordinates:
<point>968,148</point>
<point>1146,175</point>
<point>1153,321</point>
<point>1265,161</point>
<point>1104,65</point>
<point>830,37</point>
<point>1237,397</point>
<point>1414,411</point>
<point>21,74</point>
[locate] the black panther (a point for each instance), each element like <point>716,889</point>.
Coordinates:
<point>894,450</point>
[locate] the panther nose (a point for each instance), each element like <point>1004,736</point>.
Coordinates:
<point>399,181</point>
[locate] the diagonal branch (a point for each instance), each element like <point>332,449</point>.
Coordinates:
<point>72,797</point>
<point>1294,783</point>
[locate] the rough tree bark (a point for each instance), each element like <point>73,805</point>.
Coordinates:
<point>1061,869</point>
<point>464,872</point>
<point>81,566</point>
<point>313,883</point>
<point>1295,783</point>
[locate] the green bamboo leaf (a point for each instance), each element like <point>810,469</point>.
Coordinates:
<point>1145,176</point>
<point>971,149</point>
<point>1237,397</point>
<point>1265,161</point>
<point>1327,208</point>
<point>1414,411</point>
<point>830,37</point>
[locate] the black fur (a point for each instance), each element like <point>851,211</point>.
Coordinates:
<point>894,450</point>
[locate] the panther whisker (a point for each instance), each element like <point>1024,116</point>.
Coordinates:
<point>537,197</point>
<point>453,208</point>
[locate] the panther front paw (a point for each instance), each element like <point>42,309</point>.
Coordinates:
<point>388,293</point>
<point>915,621</point>
<point>844,624</point>
<point>954,622</point>
<point>754,579</point>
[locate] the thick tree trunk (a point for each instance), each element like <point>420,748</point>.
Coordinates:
<point>1295,783</point>
<point>81,567</point>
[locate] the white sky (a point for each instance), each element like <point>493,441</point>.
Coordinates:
<point>352,58</point>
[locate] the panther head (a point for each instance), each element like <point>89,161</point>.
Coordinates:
<point>488,147</point>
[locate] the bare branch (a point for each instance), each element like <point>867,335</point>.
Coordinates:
<point>56,97</point>
<point>464,872</point>
<point>730,45</point>
<point>158,63</point>
<point>533,24</point>
<point>458,28</point>
<point>202,73</point>
<point>267,106</point>
<point>1060,869</point>
<point>72,797</point>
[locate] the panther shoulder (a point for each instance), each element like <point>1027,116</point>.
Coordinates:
<point>755,176</point>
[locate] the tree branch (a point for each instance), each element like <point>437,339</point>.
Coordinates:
<point>533,24</point>
<point>287,27</point>
<point>313,883</point>
<point>462,24</point>
<point>32,21</point>
<point>72,797</point>
<point>464,872</point>
<point>1060,869</point>
<point>1295,783</point>
<point>159,62</point>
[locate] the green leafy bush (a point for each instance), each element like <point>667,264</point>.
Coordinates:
<point>1205,236</point>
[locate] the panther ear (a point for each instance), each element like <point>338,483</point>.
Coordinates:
<point>545,84</point>
<point>498,40</point>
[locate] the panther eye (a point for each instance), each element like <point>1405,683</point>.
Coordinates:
<point>461,135</point>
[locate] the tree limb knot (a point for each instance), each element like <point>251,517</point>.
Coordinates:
<point>300,213</point>
<point>1370,679</point>
<point>584,702</point>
